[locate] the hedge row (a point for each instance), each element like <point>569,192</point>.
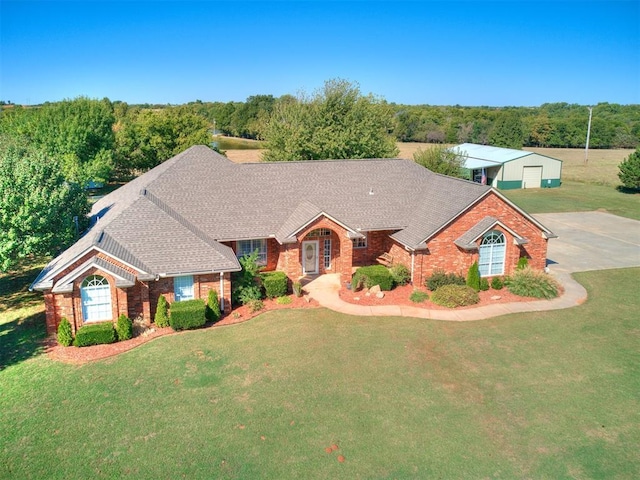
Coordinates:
<point>95,334</point>
<point>187,314</point>
<point>276,284</point>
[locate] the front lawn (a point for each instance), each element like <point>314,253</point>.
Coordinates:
<point>539,395</point>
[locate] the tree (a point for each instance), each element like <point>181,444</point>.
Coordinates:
<point>629,173</point>
<point>337,122</point>
<point>37,205</point>
<point>146,138</point>
<point>440,159</point>
<point>507,131</point>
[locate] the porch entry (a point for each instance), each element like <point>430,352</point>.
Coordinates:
<point>310,257</point>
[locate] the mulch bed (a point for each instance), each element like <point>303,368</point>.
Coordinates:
<point>79,356</point>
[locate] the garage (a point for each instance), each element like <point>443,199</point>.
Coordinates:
<point>531,177</point>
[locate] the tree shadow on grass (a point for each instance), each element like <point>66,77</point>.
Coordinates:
<point>628,191</point>
<point>21,339</point>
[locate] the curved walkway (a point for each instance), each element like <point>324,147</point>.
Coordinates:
<point>324,290</point>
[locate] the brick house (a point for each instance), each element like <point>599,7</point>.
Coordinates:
<point>179,229</point>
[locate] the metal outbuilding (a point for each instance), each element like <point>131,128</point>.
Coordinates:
<point>506,168</point>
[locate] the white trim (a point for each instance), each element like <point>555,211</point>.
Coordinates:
<point>222,292</point>
<point>326,215</point>
<point>69,277</point>
<point>317,269</point>
<point>326,255</point>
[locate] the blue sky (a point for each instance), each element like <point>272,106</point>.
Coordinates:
<point>419,52</point>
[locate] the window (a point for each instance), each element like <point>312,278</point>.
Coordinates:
<point>327,253</point>
<point>247,247</point>
<point>319,232</point>
<point>183,288</point>
<point>95,294</point>
<point>360,242</point>
<point>492,252</point>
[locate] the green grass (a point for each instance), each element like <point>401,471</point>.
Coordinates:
<point>234,143</point>
<point>538,395</point>
<point>577,197</point>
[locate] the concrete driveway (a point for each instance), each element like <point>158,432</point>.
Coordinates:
<point>591,241</point>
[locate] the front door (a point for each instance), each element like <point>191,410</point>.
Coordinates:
<point>310,257</point>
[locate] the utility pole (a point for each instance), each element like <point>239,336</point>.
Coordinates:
<point>586,150</point>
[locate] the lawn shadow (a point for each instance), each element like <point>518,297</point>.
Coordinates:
<point>628,191</point>
<point>21,339</point>
<point>14,289</point>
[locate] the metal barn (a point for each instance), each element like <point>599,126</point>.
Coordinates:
<point>505,168</point>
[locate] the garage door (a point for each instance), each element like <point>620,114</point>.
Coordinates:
<point>532,177</point>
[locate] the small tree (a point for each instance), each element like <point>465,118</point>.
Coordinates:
<point>440,159</point>
<point>65,336</point>
<point>473,276</point>
<point>213,306</point>
<point>161,319</point>
<point>629,173</point>
<point>124,328</point>
<point>245,286</point>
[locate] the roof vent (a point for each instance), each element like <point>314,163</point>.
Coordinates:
<point>371,191</point>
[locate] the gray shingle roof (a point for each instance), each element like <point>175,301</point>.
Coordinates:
<point>171,219</point>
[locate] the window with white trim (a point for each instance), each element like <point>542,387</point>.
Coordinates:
<point>95,294</point>
<point>492,253</point>
<point>247,247</point>
<point>319,232</point>
<point>183,288</point>
<point>360,242</point>
<point>327,253</point>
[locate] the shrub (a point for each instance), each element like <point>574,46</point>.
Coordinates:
<point>249,294</point>
<point>255,306</point>
<point>161,319</point>
<point>532,283</point>
<point>455,296</point>
<point>473,276</point>
<point>283,300</point>
<point>65,336</point>
<point>297,289</point>
<point>418,296</point>
<point>484,284</point>
<point>187,314</point>
<point>497,283</point>
<point>440,279</point>
<point>629,173</point>
<point>523,262</point>
<point>276,284</point>
<point>212,312</point>
<point>372,275</point>
<point>95,334</point>
<point>124,328</point>
<point>400,273</point>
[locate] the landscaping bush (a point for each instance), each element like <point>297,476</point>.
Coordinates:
<point>212,312</point>
<point>523,262</point>
<point>283,300</point>
<point>497,283</point>
<point>532,283</point>
<point>95,334</point>
<point>440,279</point>
<point>484,284</point>
<point>418,296</point>
<point>124,328</point>
<point>372,275</point>
<point>455,296</point>
<point>162,318</point>
<point>187,315</point>
<point>400,273</point>
<point>246,279</point>
<point>473,276</point>
<point>65,336</point>
<point>249,294</point>
<point>297,289</point>
<point>276,284</point>
<point>255,305</point>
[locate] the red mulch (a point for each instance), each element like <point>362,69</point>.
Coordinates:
<point>400,296</point>
<point>78,356</point>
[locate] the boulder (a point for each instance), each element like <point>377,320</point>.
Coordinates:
<point>375,289</point>
<point>380,295</point>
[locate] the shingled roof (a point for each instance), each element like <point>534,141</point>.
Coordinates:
<point>171,220</point>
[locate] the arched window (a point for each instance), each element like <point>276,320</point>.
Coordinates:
<point>96,299</point>
<point>492,252</point>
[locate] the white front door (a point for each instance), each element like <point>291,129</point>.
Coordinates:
<point>310,257</point>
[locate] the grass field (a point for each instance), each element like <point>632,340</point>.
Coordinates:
<point>538,395</point>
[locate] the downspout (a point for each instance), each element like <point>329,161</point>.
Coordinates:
<point>222,292</point>
<point>413,262</point>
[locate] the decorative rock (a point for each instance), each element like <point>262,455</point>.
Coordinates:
<point>375,289</point>
<point>380,295</point>
<point>307,298</point>
<point>356,298</point>
<point>496,297</point>
<point>368,294</point>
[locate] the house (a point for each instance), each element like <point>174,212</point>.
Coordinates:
<point>179,229</point>
<point>506,168</point>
